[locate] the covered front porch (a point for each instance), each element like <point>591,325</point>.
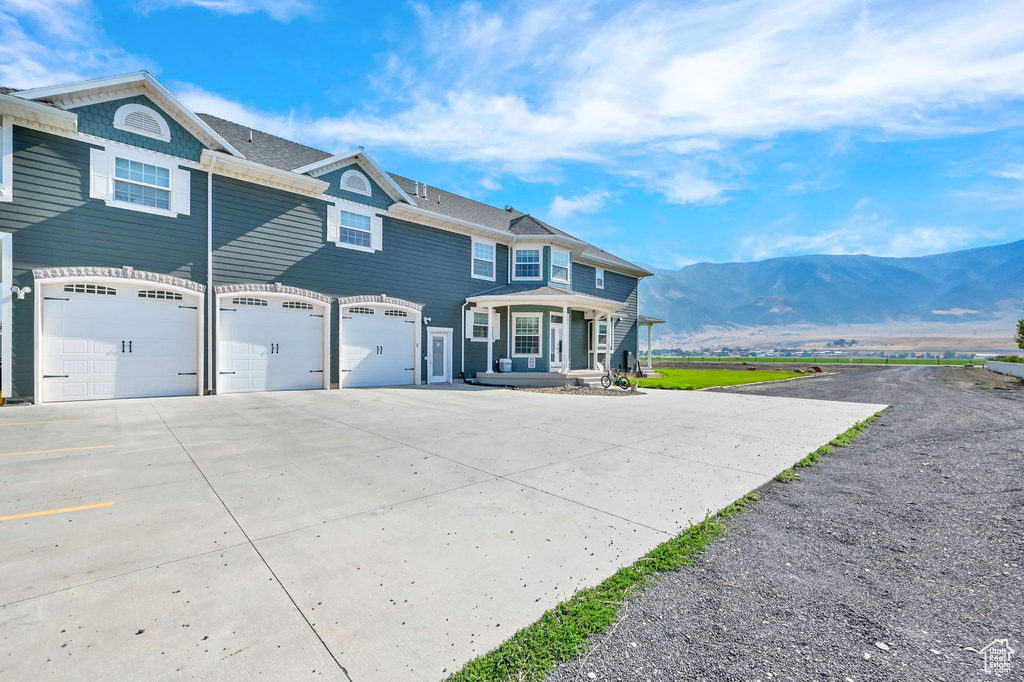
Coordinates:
<point>538,336</point>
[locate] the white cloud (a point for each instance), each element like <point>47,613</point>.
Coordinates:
<point>279,10</point>
<point>864,231</point>
<point>584,204</point>
<point>57,41</point>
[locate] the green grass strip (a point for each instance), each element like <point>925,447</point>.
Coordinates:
<point>564,632</point>
<point>693,379</point>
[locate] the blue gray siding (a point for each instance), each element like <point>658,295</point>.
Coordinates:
<point>263,235</point>
<point>98,120</point>
<point>56,224</point>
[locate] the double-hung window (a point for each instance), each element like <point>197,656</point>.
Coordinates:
<point>599,278</point>
<point>483,260</point>
<point>138,180</point>
<point>355,229</point>
<point>354,226</point>
<point>527,336</point>
<point>480,325</point>
<point>142,184</point>
<point>561,264</point>
<point>527,265</point>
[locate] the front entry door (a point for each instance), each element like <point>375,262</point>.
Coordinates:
<point>439,360</point>
<point>555,350</point>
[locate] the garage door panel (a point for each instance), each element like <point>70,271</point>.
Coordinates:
<point>377,350</point>
<point>272,347</point>
<point>98,346</point>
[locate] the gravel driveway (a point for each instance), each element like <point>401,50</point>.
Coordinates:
<point>897,558</point>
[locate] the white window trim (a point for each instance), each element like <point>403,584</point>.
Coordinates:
<point>334,225</point>
<point>540,269</point>
<point>540,336</point>
<point>180,180</point>
<point>123,111</point>
<point>349,173</point>
<point>472,336</point>
<point>473,259</point>
<point>6,161</point>
<point>568,269</point>
<point>599,278</point>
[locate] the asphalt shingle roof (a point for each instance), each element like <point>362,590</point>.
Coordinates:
<point>277,152</point>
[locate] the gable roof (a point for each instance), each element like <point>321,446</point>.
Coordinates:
<point>69,95</point>
<point>261,147</point>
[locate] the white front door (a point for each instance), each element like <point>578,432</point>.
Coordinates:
<point>556,356</point>
<point>439,357</point>
<point>118,340</point>
<point>378,346</point>
<point>269,343</point>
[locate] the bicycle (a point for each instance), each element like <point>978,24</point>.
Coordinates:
<point>620,380</point>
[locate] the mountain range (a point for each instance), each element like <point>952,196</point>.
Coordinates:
<point>962,286</point>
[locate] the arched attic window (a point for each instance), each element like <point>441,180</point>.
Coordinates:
<point>141,120</point>
<point>354,181</point>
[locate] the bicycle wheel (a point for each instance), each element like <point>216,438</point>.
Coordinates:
<point>622,382</point>
<point>606,382</point>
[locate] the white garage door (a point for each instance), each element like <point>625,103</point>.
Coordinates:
<point>378,347</point>
<point>117,340</point>
<point>270,344</point>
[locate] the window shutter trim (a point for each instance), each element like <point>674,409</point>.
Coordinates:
<point>496,326</point>
<point>333,224</point>
<point>376,233</point>
<point>182,191</point>
<point>100,183</point>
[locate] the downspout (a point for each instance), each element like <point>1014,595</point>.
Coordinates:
<point>463,325</point>
<point>508,270</point>
<point>210,295</point>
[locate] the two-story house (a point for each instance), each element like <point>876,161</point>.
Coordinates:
<point>146,250</point>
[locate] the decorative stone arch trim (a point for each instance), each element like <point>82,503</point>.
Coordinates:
<point>125,273</point>
<point>275,288</point>
<point>382,299</point>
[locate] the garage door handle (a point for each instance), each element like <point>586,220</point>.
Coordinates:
<point>190,307</point>
<point>55,376</point>
<point>315,371</point>
<point>225,372</point>
<point>129,346</point>
<point>186,374</point>
<point>312,315</point>
<point>54,298</point>
<point>122,346</point>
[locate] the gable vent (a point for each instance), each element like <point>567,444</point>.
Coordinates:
<point>354,181</point>
<point>142,121</point>
<point>357,183</point>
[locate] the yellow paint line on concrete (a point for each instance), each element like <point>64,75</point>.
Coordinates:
<point>39,452</point>
<point>56,511</point>
<point>60,421</point>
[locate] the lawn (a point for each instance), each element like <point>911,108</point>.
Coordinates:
<point>692,379</point>
<point>817,361</point>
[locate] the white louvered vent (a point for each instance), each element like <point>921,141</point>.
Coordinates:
<point>143,121</point>
<point>354,181</point>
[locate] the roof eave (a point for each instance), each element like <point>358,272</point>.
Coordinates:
<point>443,221</point>
<point>251,171</point>
<point>55,91</point>
<point>378,173</point>
<point>66,121</point>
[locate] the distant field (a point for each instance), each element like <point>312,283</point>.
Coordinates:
<point>692,379</point>
<point>821,361</point>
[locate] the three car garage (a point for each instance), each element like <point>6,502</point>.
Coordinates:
<point>106,333</point>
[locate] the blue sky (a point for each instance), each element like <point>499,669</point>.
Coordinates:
<point>668,132</point>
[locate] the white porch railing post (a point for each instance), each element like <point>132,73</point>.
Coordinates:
<point>566,328</point>
<point>649,365</point>
<point>490,340</point>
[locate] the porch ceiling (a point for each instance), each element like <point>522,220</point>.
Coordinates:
<point>544,295</point>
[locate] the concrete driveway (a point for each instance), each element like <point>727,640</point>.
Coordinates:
<point>384,534</point>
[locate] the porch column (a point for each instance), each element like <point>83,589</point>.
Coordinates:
<point>593,341</point>
<point>566,334</point>
<point>649,365</point>
<point>607,340</point>
<point>490,340</point>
